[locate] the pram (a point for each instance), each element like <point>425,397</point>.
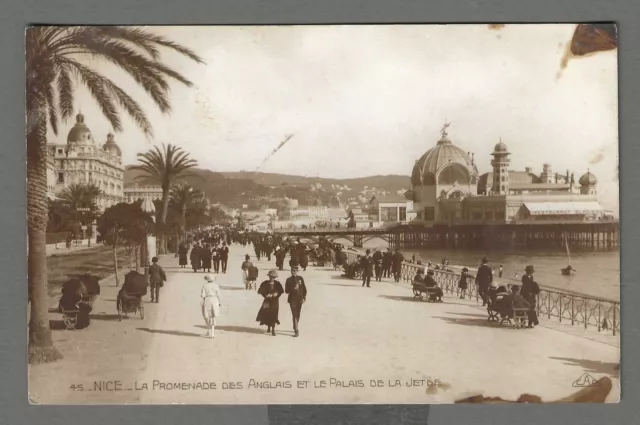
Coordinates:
<point>498,304</point>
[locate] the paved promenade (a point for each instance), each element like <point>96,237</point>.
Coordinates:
<point>349,337</point>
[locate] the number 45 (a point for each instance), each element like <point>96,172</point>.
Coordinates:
<point>75,387</point>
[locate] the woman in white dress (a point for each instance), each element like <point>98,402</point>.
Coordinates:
<point>211,303</point>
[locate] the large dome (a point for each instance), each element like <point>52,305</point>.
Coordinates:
<point>111,146</point>
<point>588,179</point>
<point>79,133</point>
<point>447,157</point>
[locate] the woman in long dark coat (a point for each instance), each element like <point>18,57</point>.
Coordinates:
<point>183,250</point>
<point>196,259</point>
<point>205,253</point>
<point>271,290</point>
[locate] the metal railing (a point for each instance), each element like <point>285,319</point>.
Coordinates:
<point>552,304</point>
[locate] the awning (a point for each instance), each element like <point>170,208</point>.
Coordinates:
<point>563,208</point>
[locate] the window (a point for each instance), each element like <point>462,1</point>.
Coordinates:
<point>60,151</point>
<point>429,213</point>
<point>476,213</point>
<point>60,177</point>
<point>499,213</point>
<point>488,213</point>
<point>403,213</point>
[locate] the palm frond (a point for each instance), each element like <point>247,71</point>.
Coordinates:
<point>65,92</point>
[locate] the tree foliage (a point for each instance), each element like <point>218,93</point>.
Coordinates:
<point>124,224</point>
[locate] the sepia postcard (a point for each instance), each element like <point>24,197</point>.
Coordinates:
<point>344,214</point>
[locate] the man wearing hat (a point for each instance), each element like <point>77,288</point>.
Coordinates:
<point>484,277</point>
<point>157,277</point>
<point>367,269</point>
<point>297,290</point>
<point>530,291</point>
<point>377,261</point>
<point>397,260</point>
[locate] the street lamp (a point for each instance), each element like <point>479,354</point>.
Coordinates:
<point>149,208</point>
<point>83,226</point>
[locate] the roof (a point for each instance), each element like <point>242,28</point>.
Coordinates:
<point>562,208</point>
<point>390,199</point>
<point>538,186</point>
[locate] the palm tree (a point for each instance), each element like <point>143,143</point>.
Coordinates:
<point>165,166</point>
<point>54,67</point>
<point>80,196</point>
<point>182,196</point>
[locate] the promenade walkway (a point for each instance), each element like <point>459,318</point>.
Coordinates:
<point>347,334</point>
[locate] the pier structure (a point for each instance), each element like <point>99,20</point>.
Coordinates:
<point>589,235</point>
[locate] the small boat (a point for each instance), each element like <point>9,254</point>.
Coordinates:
<point>567,270</point>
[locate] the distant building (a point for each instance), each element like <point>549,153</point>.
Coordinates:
<point>447,189</point>
<point>134,192</point>
<point>390,208</point>
<point>82,160</point>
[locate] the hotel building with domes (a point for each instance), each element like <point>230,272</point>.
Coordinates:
<point>83,160</point>
<point>447,189</point>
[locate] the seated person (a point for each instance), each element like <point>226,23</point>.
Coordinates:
<point>430,282</point>
<point>500,301</point>
<point>73,293</point>
<point>517,300</point>
<point>134,286</point>
<point>419,277</point>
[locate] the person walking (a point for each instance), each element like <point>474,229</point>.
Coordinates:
<point>530,291</point>
<point>377,264</point>
<point>271,290</point>
<point>210,302</point>
<point>206,258</point>
<point>500,271</point>
<point>387,261</point>
<point>462,283</point>
<point>183,250</point>
<point>215,256</point>
<point>157,277</point>
<point>303,256</point>
<point>246,266</point>
<point>367,269</point>
<point>224,256</point>
<point>484,277</point>
<point>195,257</point>
<point>297,290</point>
<point>398,258</point>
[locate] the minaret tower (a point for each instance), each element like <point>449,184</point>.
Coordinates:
<point>500,165</point>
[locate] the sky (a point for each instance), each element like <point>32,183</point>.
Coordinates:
<point>370,100</point>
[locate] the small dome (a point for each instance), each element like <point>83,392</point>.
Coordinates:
<point>79,133</point>
<point>111,146</point>
<point>588,179</point>
<point>500,148</point>
<point>443,155</point>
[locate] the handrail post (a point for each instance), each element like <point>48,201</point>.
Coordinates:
<point>572,310</point>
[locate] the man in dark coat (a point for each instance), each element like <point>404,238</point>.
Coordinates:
<point>224,256</point>
<point>430,282</point>
<point>397,260</point>
<point>387,261</point>
<point>183,250</point>
<point>530,291</point>
<point>377,264</point>
<point>297,290</point>
<point>206,258</point>
<point>280,255</point>
<point>157,277</point>
<point>367,269</point>
<point>484,277</point>
<point>303,256</point>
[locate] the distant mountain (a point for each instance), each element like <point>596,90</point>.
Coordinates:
<point>390,183</point>
<point>259,189</point>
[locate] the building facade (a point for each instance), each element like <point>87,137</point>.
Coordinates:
<point>448,190</point>
<point>82,160</point>
<point>134,192</point>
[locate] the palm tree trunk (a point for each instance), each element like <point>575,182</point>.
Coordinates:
<point>115,262</point>
<point>163,219</point>
<point>41,348</point>
<point>184,221</point>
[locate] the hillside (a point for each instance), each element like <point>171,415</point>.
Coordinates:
<point>390,182</point>
<point>258,189</point>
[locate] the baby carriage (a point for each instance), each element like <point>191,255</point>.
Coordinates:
<point>76,302</point>
<point>130,303</point>
<point>498,304</point>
